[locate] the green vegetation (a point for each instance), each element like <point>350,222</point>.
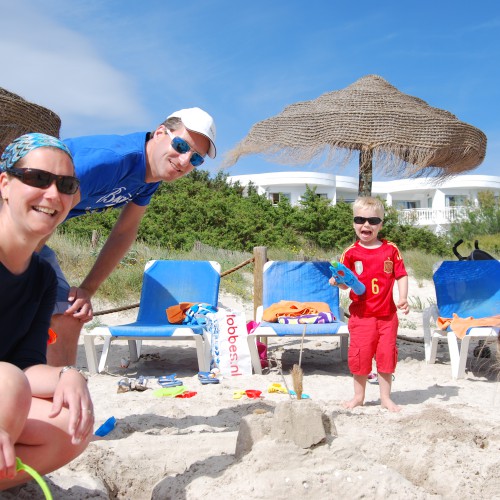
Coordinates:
<point>198,216</point>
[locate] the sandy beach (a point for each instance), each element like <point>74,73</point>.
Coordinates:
<point>445,442</point>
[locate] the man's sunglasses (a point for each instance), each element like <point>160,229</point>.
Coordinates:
<point>182,147</point>
<point>66,184</point>
<point>373,221</point>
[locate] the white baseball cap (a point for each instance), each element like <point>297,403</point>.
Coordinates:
<point>199,121</point>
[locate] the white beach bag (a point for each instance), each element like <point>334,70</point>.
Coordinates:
<point>228,342</point>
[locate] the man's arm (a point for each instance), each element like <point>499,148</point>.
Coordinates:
<point>118,243</point>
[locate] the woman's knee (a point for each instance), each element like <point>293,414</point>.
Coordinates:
<point>16,389</point>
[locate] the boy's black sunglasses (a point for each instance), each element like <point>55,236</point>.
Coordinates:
<point>66,184</point>
<point>373,221</point>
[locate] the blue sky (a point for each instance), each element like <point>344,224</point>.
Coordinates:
<point>109,66</point>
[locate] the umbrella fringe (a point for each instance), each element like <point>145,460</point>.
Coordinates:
<point>389,160</point>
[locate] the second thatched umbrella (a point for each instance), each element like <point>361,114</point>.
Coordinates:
<point>399,134</point>
<point>18,117</point>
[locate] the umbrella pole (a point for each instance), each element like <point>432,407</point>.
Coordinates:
<point>365,172</point>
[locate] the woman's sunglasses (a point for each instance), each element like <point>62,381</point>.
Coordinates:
<point>182,147</point>
<point>373,221</point>
<point>66,184</point>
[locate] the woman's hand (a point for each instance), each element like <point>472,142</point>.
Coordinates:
<point>7,456</point>
<point>72,392</point>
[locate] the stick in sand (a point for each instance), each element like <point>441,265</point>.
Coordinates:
<point>297,372</point>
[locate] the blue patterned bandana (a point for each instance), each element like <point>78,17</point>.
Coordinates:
<point>21,146</point>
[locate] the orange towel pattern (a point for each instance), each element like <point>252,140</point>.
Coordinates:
<point>460,325</point>
<point>293,308</point>
<point>177,313</point>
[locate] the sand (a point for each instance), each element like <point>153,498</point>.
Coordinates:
<point>445,442</point>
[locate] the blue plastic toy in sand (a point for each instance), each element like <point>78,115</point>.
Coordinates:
<point>106,427</point>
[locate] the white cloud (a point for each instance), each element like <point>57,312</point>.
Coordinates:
<point>55,67</point>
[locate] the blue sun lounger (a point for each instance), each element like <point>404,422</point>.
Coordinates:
<point>165,283</point>
<point>301,282</point>
<point>466,288</point>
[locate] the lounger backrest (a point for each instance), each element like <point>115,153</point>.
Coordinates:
<point>468,288</point>
<point>299,281</point>
<point>169,282</point>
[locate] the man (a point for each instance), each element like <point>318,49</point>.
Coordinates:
<point>121,171</point>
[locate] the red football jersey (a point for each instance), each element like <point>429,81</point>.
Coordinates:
<point>378,269</point>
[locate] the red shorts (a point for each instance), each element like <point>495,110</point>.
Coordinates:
<point>373,337</point>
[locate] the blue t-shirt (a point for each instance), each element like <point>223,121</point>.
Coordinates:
<point>26,305</point>
<point>111,169</point>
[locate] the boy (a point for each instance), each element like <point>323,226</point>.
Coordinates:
<point>373,322</point>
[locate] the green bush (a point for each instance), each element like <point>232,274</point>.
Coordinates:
<point>198,215</point>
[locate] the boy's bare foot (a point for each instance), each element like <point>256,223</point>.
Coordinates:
<point>390,405</point>
<point>352,403</point>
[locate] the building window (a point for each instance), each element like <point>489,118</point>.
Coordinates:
<point>405,205</point>
<point>323,196</point>
<point>455,200</point>
<point>277,197</point>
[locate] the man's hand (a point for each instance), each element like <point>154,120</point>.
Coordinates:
<point>81,305</point>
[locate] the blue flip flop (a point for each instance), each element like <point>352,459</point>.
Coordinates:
<point>169,380</point>
<point>207,378</point>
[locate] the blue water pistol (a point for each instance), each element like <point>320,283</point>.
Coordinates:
<point>344,276</point>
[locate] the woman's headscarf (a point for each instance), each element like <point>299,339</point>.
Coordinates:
<point>26,143</point>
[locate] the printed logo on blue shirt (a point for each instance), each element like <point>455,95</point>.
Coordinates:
<point>115,197</point>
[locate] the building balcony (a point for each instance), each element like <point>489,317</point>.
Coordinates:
<point>430,216</point>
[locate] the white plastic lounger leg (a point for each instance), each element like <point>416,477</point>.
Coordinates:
<point>454,356</point>
<point>462,360</point>
<point>254,354</point>
<point>138,344</point>
<point>207,350</point>
<point>90,352</point>
<point>201,353</point>
<point>430,339</point>
<point>133,351</point>
<point>104,354</point>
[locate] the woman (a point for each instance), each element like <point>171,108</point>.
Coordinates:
<point>46,413</point>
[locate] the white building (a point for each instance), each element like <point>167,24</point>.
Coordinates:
<point>423,201</point>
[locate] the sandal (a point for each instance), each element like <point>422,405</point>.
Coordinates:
<point>123,385</point>
<point>207,378</point>
<point>169,380</point>
<point>141,384</point>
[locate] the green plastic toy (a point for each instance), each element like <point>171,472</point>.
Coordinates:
<point>34,474</point>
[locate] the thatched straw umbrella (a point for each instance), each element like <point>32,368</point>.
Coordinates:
<point>401,134</point>
<point>18,117</point>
